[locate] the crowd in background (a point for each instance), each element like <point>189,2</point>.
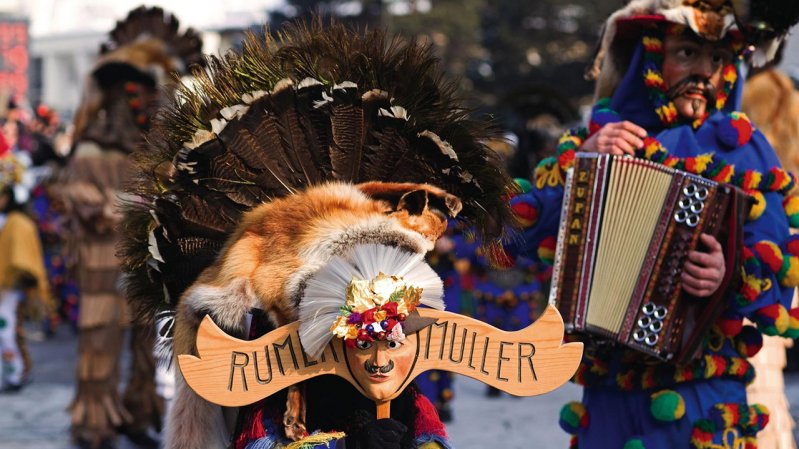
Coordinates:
<point>36,144</point>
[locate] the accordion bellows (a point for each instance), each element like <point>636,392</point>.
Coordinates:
<point>626,228</point>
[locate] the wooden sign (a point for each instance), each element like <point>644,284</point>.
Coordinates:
<point>232,372</point>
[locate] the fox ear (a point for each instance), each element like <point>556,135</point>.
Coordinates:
<point>228,305</point>
<point>415,202</point>
<point>395,193</point>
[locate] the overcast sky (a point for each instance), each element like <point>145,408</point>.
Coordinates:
<point>76,16</point>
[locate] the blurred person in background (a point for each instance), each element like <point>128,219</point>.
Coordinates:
<point>771,100</point>
<point>129,82</point>
<point>22,273</point>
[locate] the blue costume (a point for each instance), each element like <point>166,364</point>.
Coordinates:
<point>630,402</point>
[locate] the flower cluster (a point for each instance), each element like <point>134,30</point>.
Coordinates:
<point>375,309</point>
<point>11,169</point>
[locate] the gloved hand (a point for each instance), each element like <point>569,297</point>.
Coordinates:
<point>382,434</point>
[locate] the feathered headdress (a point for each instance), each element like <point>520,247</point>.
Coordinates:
<point>140,57</point>
<point>311,106</point>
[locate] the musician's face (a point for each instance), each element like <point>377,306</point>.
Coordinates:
<point>382,367</point>
<point>692,71</point>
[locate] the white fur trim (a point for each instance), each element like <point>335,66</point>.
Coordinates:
<point>345,85</point>
<point>228,305</point>
<point>309,82</point>
<point>252,96</point>
<point>236,111</point>
<point>193,422</point>
<point>217,125</point>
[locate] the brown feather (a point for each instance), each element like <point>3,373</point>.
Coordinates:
<point>347,131</point>
<point>283,105</point>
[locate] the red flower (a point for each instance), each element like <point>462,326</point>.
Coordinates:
<point>390,308</point>
<point>368,317</point>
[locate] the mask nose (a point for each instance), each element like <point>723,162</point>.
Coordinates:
<point>380,357</point>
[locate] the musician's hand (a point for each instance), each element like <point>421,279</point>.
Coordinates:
<point>704,271</point>
<point>616,138</point>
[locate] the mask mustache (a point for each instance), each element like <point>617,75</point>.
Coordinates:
<point>371,368</point>
<point>693,82</point>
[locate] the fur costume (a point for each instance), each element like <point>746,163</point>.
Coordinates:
<point>279,158</point>
<point>119,101</point>
<point>632,401</point>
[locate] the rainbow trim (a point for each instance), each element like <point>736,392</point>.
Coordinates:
<point>573,417</point>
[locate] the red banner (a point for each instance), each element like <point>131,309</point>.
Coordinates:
<point>14,58</point>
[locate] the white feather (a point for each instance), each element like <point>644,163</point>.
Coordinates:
<point>325,291</point>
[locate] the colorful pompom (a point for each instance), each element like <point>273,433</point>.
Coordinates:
<point>601,117</point>
<point>727,415</point>
<point>667,405</point>
<point>793,324</point>
<point>749,341</point>
<point>702,433</point>
<point>791,206</point>
<point>730,325</point>
<point>770,254</point>
<point>789,274</point>
<point>772,319</point>
<point>761,415</point>
<point>525,209</point>
<point>523,184</point>
<point>548,174</point>
<point>635,443</point>
<point>758,205</point>
<point>546,250</point>
<point>791,245</point>
<point>573,417</point>
<point>735,131</point>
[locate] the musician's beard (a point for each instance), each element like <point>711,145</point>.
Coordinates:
<point>685,93</point>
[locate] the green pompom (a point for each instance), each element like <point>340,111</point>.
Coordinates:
<point>667,405</point>
<point>635,443</point>
<point>523,184</point>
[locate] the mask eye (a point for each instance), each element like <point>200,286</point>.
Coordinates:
<point>363,344</point>
<point>393,344</point>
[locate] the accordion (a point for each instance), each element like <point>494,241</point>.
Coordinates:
<point>626,228</point>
